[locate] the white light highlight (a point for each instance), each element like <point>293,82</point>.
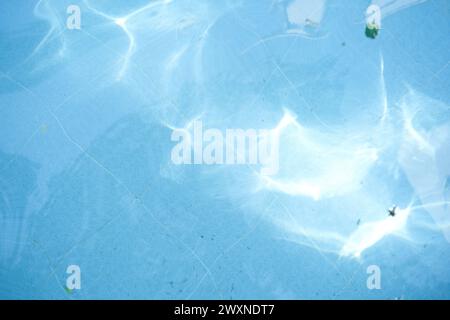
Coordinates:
<point>316,164</point>
<point>122,22</point>
<point>370,233</point>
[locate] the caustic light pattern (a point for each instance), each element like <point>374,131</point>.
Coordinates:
<point>355,93</point>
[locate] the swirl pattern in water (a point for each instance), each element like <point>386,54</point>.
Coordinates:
<point>279,149</point>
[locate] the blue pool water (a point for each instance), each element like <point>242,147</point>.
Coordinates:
<point>87,176</point>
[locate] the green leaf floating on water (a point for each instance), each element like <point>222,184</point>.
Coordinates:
<point>372,30</point>
<point>69,291</point>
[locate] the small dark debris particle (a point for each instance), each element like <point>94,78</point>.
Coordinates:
<point>392,211</point>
